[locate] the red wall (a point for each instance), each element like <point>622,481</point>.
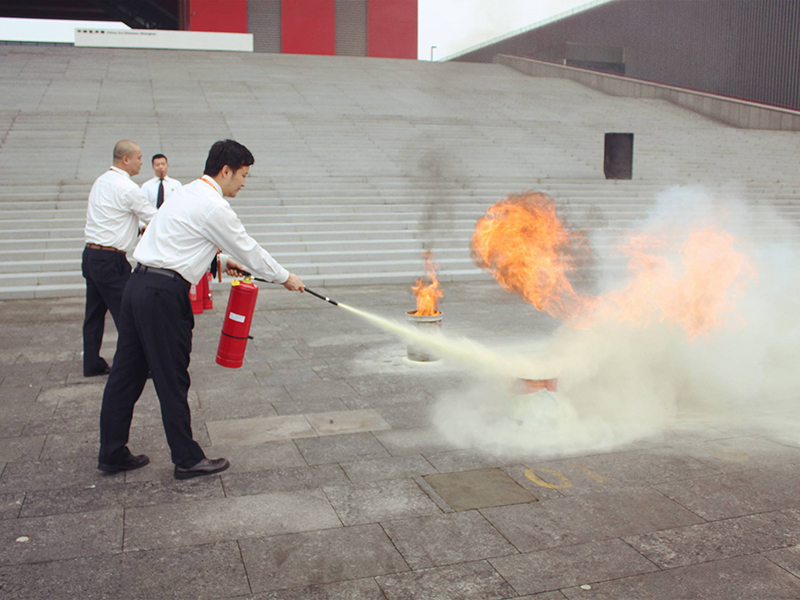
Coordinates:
<point>213,15</point>
<point>308,26</point>
<point>391,28</point>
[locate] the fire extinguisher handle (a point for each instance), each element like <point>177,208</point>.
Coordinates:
<point>250,275</point>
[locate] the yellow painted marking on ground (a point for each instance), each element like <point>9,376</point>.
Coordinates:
<point>731,455</point>
<point>565,483</point>
<point>588,471</point>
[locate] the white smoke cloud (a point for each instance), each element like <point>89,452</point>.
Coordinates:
<point>619,382</point>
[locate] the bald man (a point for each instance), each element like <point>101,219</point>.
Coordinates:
<point>116,205</point>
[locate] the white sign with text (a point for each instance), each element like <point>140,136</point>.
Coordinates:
<point>163,39</point>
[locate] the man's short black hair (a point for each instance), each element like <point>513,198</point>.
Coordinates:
<point>227,152</point>
<point>155,156</point>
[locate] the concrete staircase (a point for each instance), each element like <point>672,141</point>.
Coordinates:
<point>360,163</point>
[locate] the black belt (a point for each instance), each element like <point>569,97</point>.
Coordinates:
<point>158,271</point>
<point>107,248</point>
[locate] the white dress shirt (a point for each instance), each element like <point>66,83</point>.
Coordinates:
<point>150,188</point>
<point>187,230</point>
<point>116,204</point>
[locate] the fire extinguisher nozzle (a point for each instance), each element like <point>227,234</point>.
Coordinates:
<point>321,297</point>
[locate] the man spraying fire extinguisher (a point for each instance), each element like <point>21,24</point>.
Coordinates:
<point>174,253</point>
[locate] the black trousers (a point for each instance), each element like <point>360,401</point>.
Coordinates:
<point>155,333</point>
<point>106,273</point>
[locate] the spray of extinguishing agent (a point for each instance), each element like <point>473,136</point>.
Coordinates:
<point>239,317</point>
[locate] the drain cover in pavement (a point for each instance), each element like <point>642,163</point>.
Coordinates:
<point>467,490</point>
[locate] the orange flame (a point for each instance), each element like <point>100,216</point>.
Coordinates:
<point>524,244</point>
<point>428,294</point>
<point>696,288</point>
<point>691,279</point>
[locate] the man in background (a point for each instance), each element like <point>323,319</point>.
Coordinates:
<point>116,205</point>
<point>160,188</point>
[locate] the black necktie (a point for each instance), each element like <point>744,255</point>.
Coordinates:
<point>160,197</point>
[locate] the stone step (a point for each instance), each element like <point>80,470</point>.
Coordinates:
<point>325,212</point>
<point>78,289</point>
<point>14,249</point>
<point>306,260</point>
<point>360,165</point>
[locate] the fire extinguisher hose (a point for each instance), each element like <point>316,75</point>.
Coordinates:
<point>312,292</point>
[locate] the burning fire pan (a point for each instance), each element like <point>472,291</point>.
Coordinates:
<point>413,351</point>
<point>531,386</point>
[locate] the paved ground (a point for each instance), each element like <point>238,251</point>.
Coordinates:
<point>340,487</point>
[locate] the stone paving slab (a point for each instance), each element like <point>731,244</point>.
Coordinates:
<point>387,402</point>
<point>301,407</point>
<point>347,421</point>
<point>10,505</point>
<point>318,557</point>
<point>261,457</point>
<point>379,501</point>
<point>240,407</point>
<point>282,479</point>
<point>465,581</point>
<point>520,474</point>
<point>199,572</point>
<point>606,472</point>
<point>362,471</point>
<point>740,453</point>
<point>587,518</point>
<point>79,499</point>
<point>355,589</point>
<point>315,390</point>
<point>18,404</point>
<point>37,539</point>
<point>718,540</point>
<point>258,430</point>
<point>42,475</point>
<point>286,376</point>
<point>478,489</point>
<point>463,460</point>
<point>407,415</point>
<point>21,448</point>
<point>743,578</point>
<point>559,568</point>
<point>205,521</point>
<point>739,493</point>
<point>413,441</point>
<point>341,448</point>
<point>9,429</point>
<point>787,558</point>
<point>446,539</point>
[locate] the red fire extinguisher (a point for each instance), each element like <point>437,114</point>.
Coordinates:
<point>236,326</point>
<point>196,294</point>
<point>208,298</point>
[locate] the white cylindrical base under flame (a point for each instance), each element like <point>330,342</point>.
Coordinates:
<point>413,351</point>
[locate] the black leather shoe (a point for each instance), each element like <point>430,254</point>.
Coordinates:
<point>207,466</point>
<point>104,371</point>
<point>128,464</point>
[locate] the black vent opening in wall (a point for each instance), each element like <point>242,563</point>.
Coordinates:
<point>618,156</point>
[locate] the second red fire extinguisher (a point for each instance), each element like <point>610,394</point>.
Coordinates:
<point>236,326</point>
<point>196,294</point>
<point>208,299</point>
